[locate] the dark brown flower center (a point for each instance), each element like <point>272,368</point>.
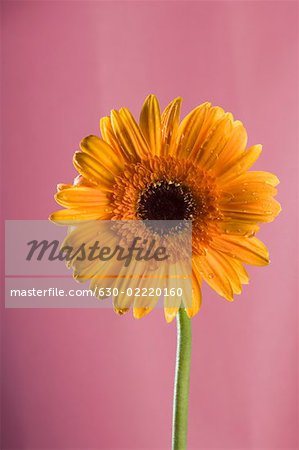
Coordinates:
<point>166,200</point>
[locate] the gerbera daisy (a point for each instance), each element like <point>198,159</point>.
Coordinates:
<point>194,170</point>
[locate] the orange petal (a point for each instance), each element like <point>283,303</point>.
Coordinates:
<point>197,128</point>
<point>62,186</point>
<point>91,169</point>
<point>169,125</point>
<point>122,302</point>
<point>88,232</point>
<point>232,273</point>
<point>260,210</point>
<point>102,152</point>
<point>108,134</point>
<point>80,181</point>
<point>129,136</point>
<point>190,131</point>
<point>240,270</point>
<point>234,147</point>
<point>150,124</point>
<point>249,250</point>
<point>170,313</point>
<point>86,270</point>
<point>70,216</point>
<point>214,114</point>
<point>80,197</point>
<point>246,180</point>
<point>216,140</point>
<point>252,192</point>
<point>120,311</point>
<point>174,280</point>
<point>240,164</point>
<point>196,296</point>
<point>239,228</point>
<point>138,313</point>
<point>214,270</point>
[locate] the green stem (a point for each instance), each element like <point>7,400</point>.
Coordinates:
<point>181,384</point>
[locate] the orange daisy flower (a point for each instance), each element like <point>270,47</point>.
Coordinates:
<point>164,169</point>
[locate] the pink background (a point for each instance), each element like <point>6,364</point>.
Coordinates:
<point>87,378</point>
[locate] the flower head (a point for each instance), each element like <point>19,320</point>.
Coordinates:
<point>164,169</point>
